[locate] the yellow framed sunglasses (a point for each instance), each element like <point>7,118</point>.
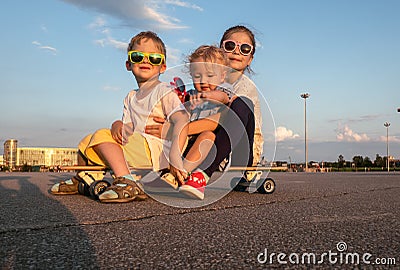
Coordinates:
<point>137,57</point>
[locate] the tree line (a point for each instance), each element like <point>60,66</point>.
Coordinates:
<point>360,161</point>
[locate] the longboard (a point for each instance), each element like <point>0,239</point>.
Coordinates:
<point>94,184</point>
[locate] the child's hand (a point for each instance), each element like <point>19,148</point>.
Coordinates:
<point>159,130</point>
<point>206,95</point>
<point>116,131</point>
<point>196,100</point>
<point>179,174</point>
<point>216,96</point>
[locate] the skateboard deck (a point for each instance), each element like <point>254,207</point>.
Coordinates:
<point>252,177</point>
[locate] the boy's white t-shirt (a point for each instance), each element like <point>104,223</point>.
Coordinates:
<point>161,102</point>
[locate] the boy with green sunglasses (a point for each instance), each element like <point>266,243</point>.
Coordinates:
<point>126,144</point>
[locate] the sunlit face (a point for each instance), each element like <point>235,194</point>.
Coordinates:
<point>145,71</point>
<point>236,60</point>
<point>206,76</point>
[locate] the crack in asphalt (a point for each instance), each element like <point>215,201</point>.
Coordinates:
<point>183,212</point>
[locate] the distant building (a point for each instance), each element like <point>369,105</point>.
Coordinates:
<point>10,153</point>
<point>34,156</point>
<point>15,156</point>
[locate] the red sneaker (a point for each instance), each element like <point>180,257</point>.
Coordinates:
<point>194,186</point>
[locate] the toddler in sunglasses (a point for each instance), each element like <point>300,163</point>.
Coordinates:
<point>126,144</point>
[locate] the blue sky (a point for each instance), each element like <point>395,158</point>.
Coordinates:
<point>63,73</point>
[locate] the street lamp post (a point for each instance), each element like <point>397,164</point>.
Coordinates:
<point>387,125</point>
<point>305,96</point>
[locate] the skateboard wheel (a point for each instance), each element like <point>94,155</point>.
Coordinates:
<point>98,187</point>
<point>83,189</point>
<point>267,187</point>
<point>239,188</point>
<point>241,185</point>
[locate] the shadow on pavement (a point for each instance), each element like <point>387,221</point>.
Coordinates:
<point>37,231</point>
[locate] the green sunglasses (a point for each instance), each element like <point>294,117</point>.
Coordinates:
<point>137,57</point>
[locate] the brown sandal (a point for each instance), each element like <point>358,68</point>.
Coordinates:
<point>123,190</point>
<point>168,178</point>
<point>68,187</point>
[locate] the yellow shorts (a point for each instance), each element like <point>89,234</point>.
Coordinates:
<point>136,151</point>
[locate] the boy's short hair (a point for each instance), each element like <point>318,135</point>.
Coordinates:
<point>148,35</point>
<point>209,53</point>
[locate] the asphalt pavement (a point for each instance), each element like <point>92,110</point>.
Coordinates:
<point>312,220</point>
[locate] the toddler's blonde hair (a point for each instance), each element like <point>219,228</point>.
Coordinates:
<point>209,54</point>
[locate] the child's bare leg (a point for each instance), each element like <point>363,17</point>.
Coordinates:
<point>113,156</point>
<point>197,180</point>
<point>124,188</point>
<point>82,160</point>
<point>199,151</point>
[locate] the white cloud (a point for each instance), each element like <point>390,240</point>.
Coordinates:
<point>110,88</point>
<point>348,135</point>
<point>97,23</point>
<point>162,21</point>
<point>43,28</point>
<point>391,139</point>
<point>282,134</point>
<point>100,42</point>
<point>139,13</point>
<point>109,41</point>
<point>186,41</point>
<point>173,56</point>
<point>183,4</point>
<point>359,119</point>
<point>45,47</point>
<point>100,26</point>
